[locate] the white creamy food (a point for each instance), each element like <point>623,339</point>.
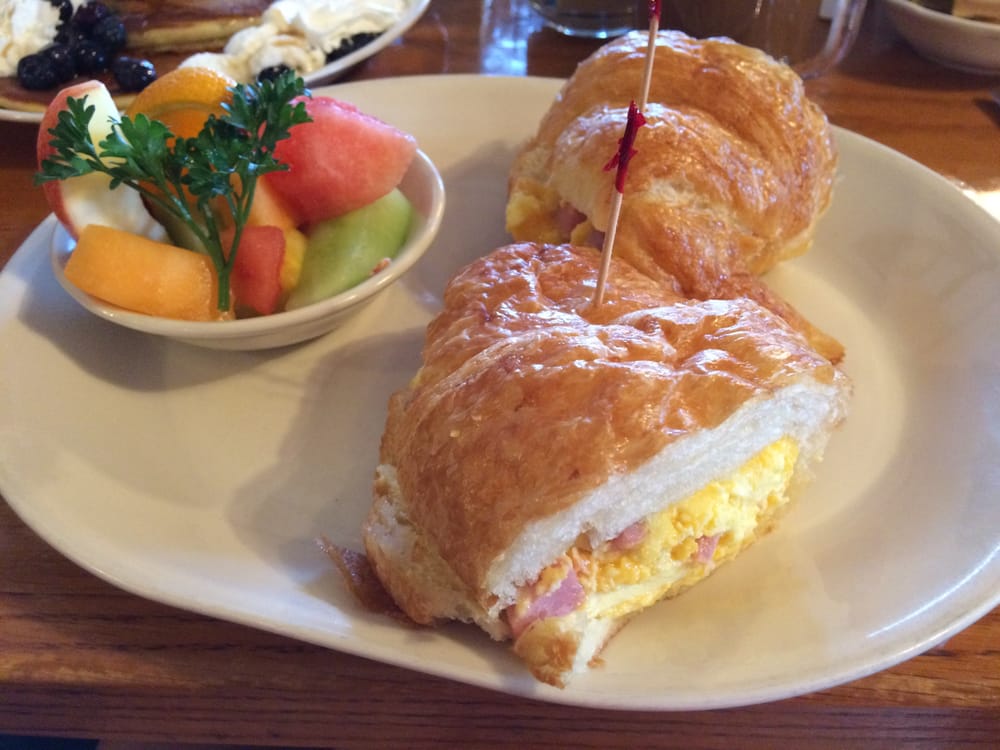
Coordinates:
<point>299,34</point>
<point>26,26</point>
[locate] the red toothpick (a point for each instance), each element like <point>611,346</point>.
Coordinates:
<point>626,151</point>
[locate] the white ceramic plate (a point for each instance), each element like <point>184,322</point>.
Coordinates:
<point>415,9</point>
<point>13,115</point>
<point>202,478</point>
<point>330,71</point>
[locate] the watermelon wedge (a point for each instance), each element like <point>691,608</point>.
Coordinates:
<point>342,160</point>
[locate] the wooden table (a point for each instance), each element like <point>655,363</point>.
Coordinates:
<point>81,658</point>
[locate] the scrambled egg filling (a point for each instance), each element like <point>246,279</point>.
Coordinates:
<point>582,233</point>
<point>683,543</point>
<point>531,212</point>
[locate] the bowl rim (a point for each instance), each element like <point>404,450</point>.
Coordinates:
<point>421,169</point>
<point>942,18</point>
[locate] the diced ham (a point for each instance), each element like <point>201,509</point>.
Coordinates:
<point>706,548</point>
<point>564,598</point>
<point>595,238</point>
<point>567,218</point>
<point>630,537</point>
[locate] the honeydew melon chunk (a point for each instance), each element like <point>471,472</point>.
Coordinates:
<point>344,251</point>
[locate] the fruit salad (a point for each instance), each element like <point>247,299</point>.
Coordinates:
<point>211,200</point>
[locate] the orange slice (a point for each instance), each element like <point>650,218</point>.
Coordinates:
<point>183,99</point>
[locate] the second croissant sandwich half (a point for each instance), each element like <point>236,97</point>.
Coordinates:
<point>554,468</point>
<point>734,167</point>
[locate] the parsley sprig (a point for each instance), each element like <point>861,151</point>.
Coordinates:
<point>219,165</point>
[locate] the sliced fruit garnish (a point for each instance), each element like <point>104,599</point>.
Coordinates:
<point>89,199</point>
<point>183,99</point>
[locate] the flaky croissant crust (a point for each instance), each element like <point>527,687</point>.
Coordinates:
<point>733,169</point>
<point>528,396</point>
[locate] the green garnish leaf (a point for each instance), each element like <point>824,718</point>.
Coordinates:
<point>219,165</point>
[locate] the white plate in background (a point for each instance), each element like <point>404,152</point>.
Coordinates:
<point>337,67</point>
<point>415,9</point>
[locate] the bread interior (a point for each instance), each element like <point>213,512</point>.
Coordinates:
<point>802,411</point>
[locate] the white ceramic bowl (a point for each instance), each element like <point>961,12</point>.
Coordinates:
<point>421,184</point>
<point>972,46</point>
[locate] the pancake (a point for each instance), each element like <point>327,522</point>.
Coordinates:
<point>186,25</point>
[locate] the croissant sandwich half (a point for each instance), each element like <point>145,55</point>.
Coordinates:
<point>554,468</point>
<point>733,170</point>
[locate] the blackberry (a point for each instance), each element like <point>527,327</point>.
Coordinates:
<point>65,9</point>
<point>90,57</point>
<point>133,74</point>
<point>36,73</point>
<point>61,58</point>
<point>350,44</point>
<point>109,32</point>
<point>272,73</point>
<point>87,16</point>
<point>68,35</point>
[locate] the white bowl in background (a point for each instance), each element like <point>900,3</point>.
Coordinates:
<point>972,46</point>
<point>421,184</point>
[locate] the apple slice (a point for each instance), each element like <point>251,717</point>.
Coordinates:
<point>89,199</point>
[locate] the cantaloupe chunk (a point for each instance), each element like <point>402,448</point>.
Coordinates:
<point>268,209</point>
<point>144,276</point>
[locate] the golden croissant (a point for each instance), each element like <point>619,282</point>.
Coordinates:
<point>734,167</point>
